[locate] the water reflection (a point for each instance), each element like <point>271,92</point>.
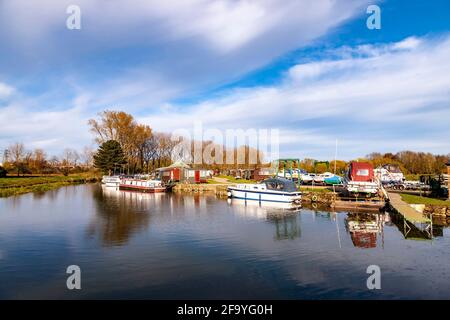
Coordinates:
<point>198,246</point>
<point>119,214</point>
<point>364,228</point>
<point>283,215</point>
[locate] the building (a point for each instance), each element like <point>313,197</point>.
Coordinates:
<point>181,172</point>
<point>263,173</point>
<point>389,173</point>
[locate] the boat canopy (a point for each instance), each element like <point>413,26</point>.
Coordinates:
<point>361,171</point>
<point>280,184</point>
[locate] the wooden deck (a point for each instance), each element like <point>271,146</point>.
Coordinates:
<point>408,212</point>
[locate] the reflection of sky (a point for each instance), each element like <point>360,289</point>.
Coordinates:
<point>200,247</point>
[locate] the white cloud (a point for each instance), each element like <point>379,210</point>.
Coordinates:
<point>193,43</point>
<point>389,99</point>
<point>5,90</point>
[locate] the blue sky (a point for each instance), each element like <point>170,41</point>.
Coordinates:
<point>311,69</point>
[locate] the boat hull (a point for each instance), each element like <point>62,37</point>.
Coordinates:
<point>265,196</point>
<point>142,189</point>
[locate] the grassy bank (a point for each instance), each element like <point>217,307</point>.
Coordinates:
<point>413,199</point>
<point>323,189</point>
<point>228,179</point>
<point>11,186</point>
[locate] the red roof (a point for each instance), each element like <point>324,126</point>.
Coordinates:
<point>361,171</point>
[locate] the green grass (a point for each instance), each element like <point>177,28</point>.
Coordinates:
<point>316,189</point>
<point>234,180</point>
<point>413,199</point>
<point>11,186</point>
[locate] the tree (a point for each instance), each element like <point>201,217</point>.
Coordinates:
<point>38,161</point>
<point>87,156</point>
<point>121,127</point>
<point>16,152</point>
<point>109,156</point>
<point>3,172</point>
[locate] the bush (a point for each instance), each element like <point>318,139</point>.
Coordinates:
<point>3,172</point>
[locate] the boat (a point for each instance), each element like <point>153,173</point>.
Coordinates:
<point>331,178</point>
<point>111,181</point>
<point>272,189</point>
<point>142,185</point>
<point>360,179</point>
<point>306,178</point>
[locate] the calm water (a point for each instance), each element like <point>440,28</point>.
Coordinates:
<point>131,245</point>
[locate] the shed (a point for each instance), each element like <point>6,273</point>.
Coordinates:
<point>176,172</point>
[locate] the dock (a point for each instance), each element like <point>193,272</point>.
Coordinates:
<point>409,213</point>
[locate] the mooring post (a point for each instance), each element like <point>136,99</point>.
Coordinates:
<point>448,178</point>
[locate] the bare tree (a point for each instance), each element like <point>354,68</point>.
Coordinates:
<point>87,156</point>
<point>17,154</point>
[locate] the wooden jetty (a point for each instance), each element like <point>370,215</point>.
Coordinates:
<point>409,213</point>
<point>413,224</point>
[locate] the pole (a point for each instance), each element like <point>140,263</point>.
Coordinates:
<point>335,156</point>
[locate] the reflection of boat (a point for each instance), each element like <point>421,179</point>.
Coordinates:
<point>363,229</point>
<point>111,181</point>
<point>142,185</point>
<point>262,210</point>
<point>270,190</point>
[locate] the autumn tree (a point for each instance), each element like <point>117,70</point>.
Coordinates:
<point>16,154</point>
<point>121,127</point>
<point>38,161</point>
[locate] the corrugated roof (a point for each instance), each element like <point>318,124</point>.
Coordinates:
<point>176,164</point>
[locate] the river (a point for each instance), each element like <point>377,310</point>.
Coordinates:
<point>172,246</point>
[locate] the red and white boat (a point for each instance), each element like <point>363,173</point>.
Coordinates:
<point>142,185</point>
<point>360,179</point>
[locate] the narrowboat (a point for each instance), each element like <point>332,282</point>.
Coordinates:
<point>272,189</point>
<point>111,181</point>
<point>142,185</point>
<point>360,179</point>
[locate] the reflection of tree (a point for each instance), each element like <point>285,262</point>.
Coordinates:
<point>118,217</point>
<point>286,227</point>
<point>363,229</point>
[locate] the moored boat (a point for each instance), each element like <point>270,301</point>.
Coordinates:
<point>111,181</point>
<point>360,179</point>
<point>272,189</point>
<point>142,185</point>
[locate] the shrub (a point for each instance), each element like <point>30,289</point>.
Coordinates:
<point>3,172</point>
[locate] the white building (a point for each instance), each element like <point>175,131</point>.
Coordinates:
<point>389,173</point>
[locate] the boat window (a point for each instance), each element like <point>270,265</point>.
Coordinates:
<point>271,185</point>
<point>362,172</point>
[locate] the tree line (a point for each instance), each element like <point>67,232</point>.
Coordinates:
<point>145,150</point>
<point>18,159</point>
<point>142,150</point>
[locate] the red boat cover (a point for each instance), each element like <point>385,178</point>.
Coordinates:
<point>361,171</point>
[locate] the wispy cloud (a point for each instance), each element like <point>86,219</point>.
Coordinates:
<point>5,90</point>
<point>380,97</point>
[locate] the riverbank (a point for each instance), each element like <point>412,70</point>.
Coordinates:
<point>12,186</point>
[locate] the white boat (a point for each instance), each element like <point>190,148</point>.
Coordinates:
<point>111,181</point>
<point>142,185</point>
<point>272,189</point>
<point>306,178</point>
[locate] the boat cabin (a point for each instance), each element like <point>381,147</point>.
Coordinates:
<point>361,171</point>
<point>280,184</point>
